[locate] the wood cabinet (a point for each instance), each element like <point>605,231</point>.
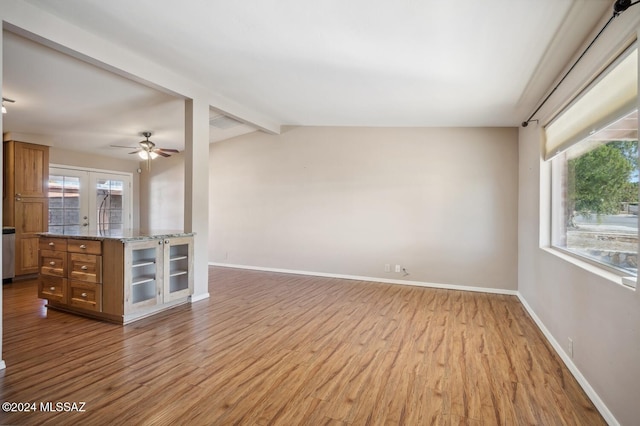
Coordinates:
<point>157,272</point>
<point>115,280</point>
<point>71,273</point>
<point>25,202</point>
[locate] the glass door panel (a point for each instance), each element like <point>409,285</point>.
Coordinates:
<point>111,203</point>
<point>80,200</point>
<point>68,212</point>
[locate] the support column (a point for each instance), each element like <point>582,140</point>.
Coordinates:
<point>196,191</point>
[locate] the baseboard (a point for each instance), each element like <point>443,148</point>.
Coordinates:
<point>582,381</point>
<point>2,365</point>
<point>199,297</point>
<point>373,279</point>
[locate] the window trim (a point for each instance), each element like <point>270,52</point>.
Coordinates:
<point>586,264</point>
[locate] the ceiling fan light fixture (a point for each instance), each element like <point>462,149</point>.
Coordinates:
<point>145,155</point>
<point>147,145</point>
<point>4,110</point>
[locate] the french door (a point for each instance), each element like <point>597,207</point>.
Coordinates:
<point>82,200</point>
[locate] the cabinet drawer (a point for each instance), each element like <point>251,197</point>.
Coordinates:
<point>85,295</point>
<point>53,289</point>
<point>84,246</point>
<point>85,267</point>
<point>53,263</point>
<point>58,244</point>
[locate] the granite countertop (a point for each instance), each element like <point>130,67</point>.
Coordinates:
<point>121,235</point>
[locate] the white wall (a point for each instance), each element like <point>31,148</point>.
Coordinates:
<point>162,194</point>
<point>601,316</point>
<point>440,202</point>
<point>571,299</point>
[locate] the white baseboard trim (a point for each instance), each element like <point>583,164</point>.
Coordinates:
<point>582,381</point>
<point>373,279</point>
<point>2,364</point>
<point>199,297</point>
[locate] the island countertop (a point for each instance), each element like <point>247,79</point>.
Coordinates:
<point>125,235</point>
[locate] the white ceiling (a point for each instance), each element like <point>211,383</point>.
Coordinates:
<point>330,62</point>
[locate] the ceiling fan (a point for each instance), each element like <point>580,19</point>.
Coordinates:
<point>148,150</point>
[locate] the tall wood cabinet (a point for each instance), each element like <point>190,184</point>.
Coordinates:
<point>25,200</point>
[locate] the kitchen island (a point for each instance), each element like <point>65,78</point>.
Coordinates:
<point>116,276</point>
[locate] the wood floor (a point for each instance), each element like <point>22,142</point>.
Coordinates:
<point>282,349</point>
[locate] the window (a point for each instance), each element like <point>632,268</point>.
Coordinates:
<point>595,196</point>
<point>593,147</point>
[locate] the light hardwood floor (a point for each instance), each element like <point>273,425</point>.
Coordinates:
<point>271,348</point>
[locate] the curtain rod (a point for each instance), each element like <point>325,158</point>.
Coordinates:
<point>618,7</point>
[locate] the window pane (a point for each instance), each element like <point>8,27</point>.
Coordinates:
<point>109,204</point>
<point>64,203</point>
<point>595,198</point>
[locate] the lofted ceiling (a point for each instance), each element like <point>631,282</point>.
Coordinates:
<point>326,63</point>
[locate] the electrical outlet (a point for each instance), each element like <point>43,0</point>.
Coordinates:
<point>398,268</point>
<point>387,267</point>
<point>570,347</point>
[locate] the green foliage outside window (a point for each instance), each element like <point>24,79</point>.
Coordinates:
<point>602,179</point>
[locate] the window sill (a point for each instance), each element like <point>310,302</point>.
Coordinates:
<point>628,282</point>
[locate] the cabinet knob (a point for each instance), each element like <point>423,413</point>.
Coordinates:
<point>166,241</point>
<point>82,246</point>
<point>51,244</point>
<point>84,295</point>
<point>84,267</point>
<point>52,263</point>
<point>52,289</point>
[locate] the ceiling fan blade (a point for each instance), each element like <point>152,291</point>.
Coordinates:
<point>159,152</point>
<point>169,150</point>
<point>122,146</point>
<point>136,151</point>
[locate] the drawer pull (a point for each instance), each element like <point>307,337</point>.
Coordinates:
<point>82,246</point>
<point>84,267</point>
<point>52,244</point>
<point>52,263</point>
<point>52,289</point>
<point>84,295</point>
